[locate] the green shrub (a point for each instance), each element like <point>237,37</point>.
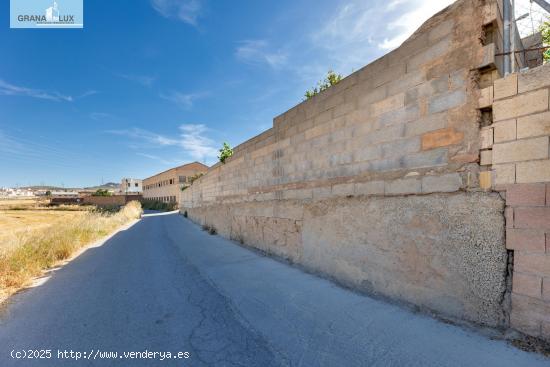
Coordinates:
<point>545,31</point>
<point>331,79</point>
<point>225,152</point>
<point>158,205</point>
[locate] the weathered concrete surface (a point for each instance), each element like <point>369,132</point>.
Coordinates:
<point>445,252</point>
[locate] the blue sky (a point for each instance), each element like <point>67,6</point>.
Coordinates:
<point>163,82</point>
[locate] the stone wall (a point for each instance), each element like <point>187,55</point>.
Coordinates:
<point>518,165</point>
<point>375,182</point>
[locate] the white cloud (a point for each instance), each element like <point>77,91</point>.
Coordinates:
<point>8,89</point>
<point>258,52</point>
<point>184,100</point>
<point>404,26</point>
<point>187,11</point>
<point>192,139</point>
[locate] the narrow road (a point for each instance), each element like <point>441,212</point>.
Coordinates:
<point>164,285</point>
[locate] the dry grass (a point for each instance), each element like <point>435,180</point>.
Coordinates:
<point>32,251</point>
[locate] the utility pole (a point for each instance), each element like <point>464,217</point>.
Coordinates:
<point>507,15</point>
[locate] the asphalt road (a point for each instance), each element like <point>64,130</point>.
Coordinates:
<point>166,286</point>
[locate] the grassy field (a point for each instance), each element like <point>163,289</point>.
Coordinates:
<point>33,239</point>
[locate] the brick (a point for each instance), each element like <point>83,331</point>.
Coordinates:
<point>528,285</point>
<point>486,97</point>
<point>505,131</point>
<point>535,217</point>
<point>533,125</point>
<point>486,157</point>
<point>403,186</point>
<point>369,188</point>
<point>521,150</point>
<point>534,79</point>
<point>526,195</point>
<point>441,138</point>
<point>536,264</point>
<point>504,173</point>
<point>535,171</point>
<point>509,217</point>
<point>447,101</point>
<point>446,183</point>
<point>526,240</point>
<point>486,138</point>
<point>506,87</point>
<point>520,105</point>
<point>485,181</point>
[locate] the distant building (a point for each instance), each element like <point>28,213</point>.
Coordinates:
<point>65,194</point>
<point>131,186</point>
<point>166,186</point>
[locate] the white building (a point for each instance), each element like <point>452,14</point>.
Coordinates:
<point>131,186</point>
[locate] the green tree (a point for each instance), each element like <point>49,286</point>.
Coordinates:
<point>48,193</point>
<point>545,31</point>
<point>101,192</point>
<point>331,79</point>
<point>225,152</point>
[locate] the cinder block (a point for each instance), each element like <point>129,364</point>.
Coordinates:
<point>322,192</point>
<point>486,138</point>
<point>429,54</point>
<point>526,194</point>
<point>534,218</point>
<point>546,297</point>
<point>534,79</point>
<point>403,186</point>
<point>441,138</point>
<point>486,157</point>
<point>485,181</point>
<point>369,188</point>
<point>388,104</point>
<point>520,105</point>
<point>509,217</point>
<point>536,264</point>
<point>533,125</point>
<point>526,240</point>
<point>521,150</point>
<point>426,124</point>
<point>401,147</point>
<point>447,101</point>
<point>343,189</point>
<point>534,171</point>
<point>506,87</point>
<point>486,97</point>
<point>505,131</point>
<point>431,158</point>
<point>528,285</point>
<point>446,183</point>
<point>524,315</point>
<point>548,197</point>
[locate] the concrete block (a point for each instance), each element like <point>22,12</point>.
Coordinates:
<point>536,264</point>
<point>535,171</point>
<point>447,101</point>
<point>505,131</point>
<point>429,54</point>
<point>509,217</point>
<point>524,316</point>
<point>429,123</point>
<point>486,97</point>
<point>486,157</point>
<point>441,30</point>
<point>369,188</point>
<point>385,165</point>
<point>391,103</point>
<point>320,193</point>
<point>548,199</point>
<point>486,138</point>
<point>401,147</point>
<point>343,189</point>
<point>403,186</point>
<point>485,180</point>
<point>431,158</point>
<point>506,87</point>
<point>535,218</point>
<point>533,125</point>
<point>526,240</point>
<point>367,153</point>
<point>488,56</point>
<point>441,138</point>
<point>534,79</point>
<point>526,194</point>
<point>521,105</point>
<point>521,150</point>
<point>528,285</point>
<point>445,183</point>
<point>406,114</point>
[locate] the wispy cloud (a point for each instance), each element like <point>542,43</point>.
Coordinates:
<point>8,89</point>
<point>144,80</point>
<point>188,11</point>
<point>167,162</point>
<point>184,100</point>
<point>260,52</point>
<point>192,139</point>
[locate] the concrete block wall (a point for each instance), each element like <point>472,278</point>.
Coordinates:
<point>519,164</point>
<point>377,181</point>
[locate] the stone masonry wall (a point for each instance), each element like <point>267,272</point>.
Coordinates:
<point>518,165</point>
<point>376,181</point>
